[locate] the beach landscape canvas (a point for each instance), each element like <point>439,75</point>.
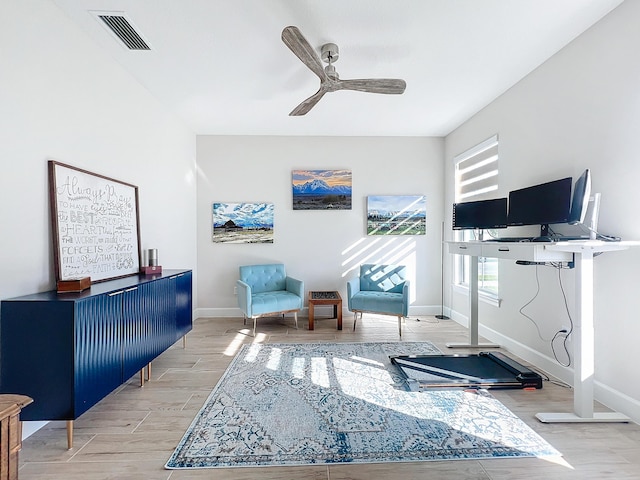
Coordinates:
<point>243,222</point>
<point>396,215</point>
<point>321,189</point>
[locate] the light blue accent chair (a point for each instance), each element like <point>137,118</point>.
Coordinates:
<point>267,290</point>
<point>381,289</point>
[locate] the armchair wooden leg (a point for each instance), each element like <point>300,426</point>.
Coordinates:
<point>295,316</point>
<point>255,321</point>
<point>400,326</point>
<point>355,319</point>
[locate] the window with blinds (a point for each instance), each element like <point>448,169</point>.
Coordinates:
<point>476,177</point>
<point>477,171</point>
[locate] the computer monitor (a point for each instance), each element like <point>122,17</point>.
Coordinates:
<point>480,214</point>
<point>541,204</point>
<point>581,196</point>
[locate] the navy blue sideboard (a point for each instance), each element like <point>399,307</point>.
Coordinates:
<point>68,351</point>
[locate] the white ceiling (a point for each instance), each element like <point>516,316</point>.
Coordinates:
<point>222,67</point>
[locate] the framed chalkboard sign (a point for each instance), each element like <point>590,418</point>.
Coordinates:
<point>96,227</point>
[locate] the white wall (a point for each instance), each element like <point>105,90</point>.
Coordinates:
<point>63,99</point>
<point>322,248</point>
<point>581,109</point>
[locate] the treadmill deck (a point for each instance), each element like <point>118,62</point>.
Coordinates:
<point>482,370</point>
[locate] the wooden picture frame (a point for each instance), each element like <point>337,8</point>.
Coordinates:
<point>96,225</point>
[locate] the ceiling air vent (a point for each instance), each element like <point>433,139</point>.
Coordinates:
<point>122,28</point>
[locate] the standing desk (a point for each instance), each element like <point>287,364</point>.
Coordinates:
<point>582,253</point>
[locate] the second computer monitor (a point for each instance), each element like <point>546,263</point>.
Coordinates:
<point>541,204</point>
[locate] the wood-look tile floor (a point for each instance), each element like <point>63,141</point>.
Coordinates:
<point>132,432</point>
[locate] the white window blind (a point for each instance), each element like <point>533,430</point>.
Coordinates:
<point>477,171</point>
<point>475,179</point>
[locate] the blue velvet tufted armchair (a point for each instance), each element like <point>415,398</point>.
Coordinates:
<point>382,289</point>
<point>267,290</point>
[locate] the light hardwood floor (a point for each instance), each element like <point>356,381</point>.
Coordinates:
<point>131,433</point>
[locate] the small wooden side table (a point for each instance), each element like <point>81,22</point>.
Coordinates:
<point>11,434</point>
<point>326,298</point>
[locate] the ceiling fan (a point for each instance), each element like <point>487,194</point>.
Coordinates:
<point>329,80</point>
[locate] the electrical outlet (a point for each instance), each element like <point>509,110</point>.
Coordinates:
<point>235,290</point>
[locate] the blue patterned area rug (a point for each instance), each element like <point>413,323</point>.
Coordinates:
<point>301,404</point>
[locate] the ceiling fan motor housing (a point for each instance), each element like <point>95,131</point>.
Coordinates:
<point>330,70</point>
<point>329,53</point>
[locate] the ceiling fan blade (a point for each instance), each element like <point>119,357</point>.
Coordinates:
<point>309,103</point>
<point>374,85</point>
<point>293,38</point>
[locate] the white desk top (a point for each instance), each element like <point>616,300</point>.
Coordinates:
<point>565,246</point>
<point>591,245</point>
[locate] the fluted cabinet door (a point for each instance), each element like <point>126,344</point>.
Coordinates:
<point>184,309</point>
<point>98,347</point>
<point>135,330</point>
<point>161,320</point>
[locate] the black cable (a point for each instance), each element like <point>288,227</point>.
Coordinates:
<point>545,377</point>
<point>529,303</point>
<point>426,320</point>
<point>558,266</point>
<point>559,332</point>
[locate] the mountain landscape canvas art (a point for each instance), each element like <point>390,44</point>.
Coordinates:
<point>396,215</point>
<point>321,189</point>
<point>243,222</point>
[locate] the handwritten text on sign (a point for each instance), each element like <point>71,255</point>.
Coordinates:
<point>97,225</point>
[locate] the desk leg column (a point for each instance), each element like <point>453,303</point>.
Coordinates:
<point>584,361</point>
<point>473,301</point>
<point>473,310</point>
<point>584,357</point>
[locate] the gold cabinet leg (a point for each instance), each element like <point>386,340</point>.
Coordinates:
<point>142,377</point>
<point>69,434</point>
<point>149,372</point>
<point>184,341</point>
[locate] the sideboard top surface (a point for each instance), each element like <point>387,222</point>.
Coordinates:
<point>98,288</point>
